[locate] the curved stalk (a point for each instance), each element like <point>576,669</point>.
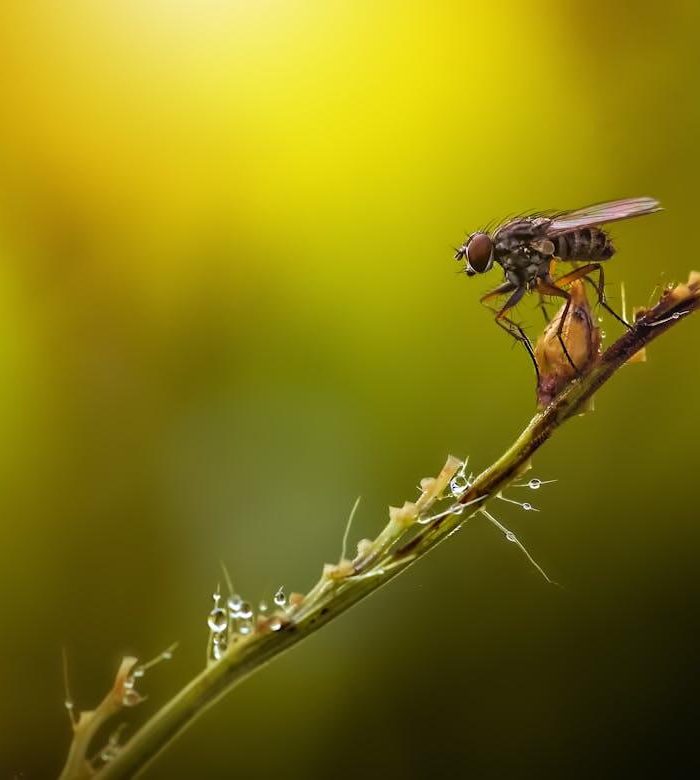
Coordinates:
<point>410,534</point>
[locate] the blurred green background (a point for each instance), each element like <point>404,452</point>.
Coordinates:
<point>228,307</point>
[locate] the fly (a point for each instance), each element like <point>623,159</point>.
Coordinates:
<point>526,248</point>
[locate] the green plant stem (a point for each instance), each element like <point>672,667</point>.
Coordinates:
<point>331,597</point>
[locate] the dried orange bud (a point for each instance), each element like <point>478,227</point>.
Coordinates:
<point>581,336</point>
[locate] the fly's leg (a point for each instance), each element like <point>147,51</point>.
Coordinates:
<point>600,289</point>
<point>547,288</point>
<point>516,331</point>
<point>583,273</point>
<point>543,309</point>
<point>510,326</point>
<point>502,289</point>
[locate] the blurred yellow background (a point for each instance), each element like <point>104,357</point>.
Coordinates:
<point>228,307</point>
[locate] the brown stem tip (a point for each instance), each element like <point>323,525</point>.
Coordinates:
<point>581,336</point>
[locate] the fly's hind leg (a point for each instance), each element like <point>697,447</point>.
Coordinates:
<point>583,273</point>
<point>506,323</point>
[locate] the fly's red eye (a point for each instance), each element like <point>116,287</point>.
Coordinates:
<point>480,252</point>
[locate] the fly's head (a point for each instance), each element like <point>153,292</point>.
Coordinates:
<point>477,251</point>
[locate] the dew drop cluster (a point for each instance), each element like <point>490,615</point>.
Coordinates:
<point>235,617</point>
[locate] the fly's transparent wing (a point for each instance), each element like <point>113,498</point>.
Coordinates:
<point>600,213</point>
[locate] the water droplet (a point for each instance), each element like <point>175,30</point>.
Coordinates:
<point>263,606</point>
<point>458,484</point>
<point>167,655</point>
<point>527,507</point>
<point>603,334</point>
<point>511,537</point>
<point>534,484</point>
<point>129,683</point>
<point>68,704</point>
<point>275,624</point>
<point>600,319</point>
<point>138,672</point>
<point>131,697</point>
<point>280,597</point>
<point>109,753</point>
<point>217,620</point>
<point>246,611</point>
<point>218,649</point>
<point>245,628</point>
<point>234,604</point>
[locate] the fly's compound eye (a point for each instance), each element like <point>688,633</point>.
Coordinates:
<point>479,254</point>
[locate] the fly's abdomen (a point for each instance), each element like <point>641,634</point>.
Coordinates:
<point>584,244</point>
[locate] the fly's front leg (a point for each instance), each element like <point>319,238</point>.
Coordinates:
<point>506,323</point>
<point>502,289</point>
<point>516,331</point>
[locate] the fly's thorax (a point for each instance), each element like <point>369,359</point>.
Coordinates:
<point>519,240</point>
<point>523,263</point>
<point>516,232</point>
